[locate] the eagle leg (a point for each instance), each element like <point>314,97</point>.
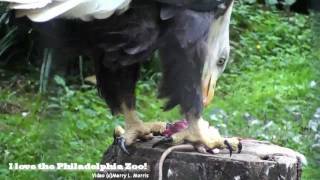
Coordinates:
<point>135,129</point>
<point>117,86</point>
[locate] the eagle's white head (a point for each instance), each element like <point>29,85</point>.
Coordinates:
<point>217,54</point>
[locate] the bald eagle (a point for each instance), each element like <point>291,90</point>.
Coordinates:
<point>192,37</point>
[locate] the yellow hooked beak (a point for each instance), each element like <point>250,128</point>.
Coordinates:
<point>209,84</point>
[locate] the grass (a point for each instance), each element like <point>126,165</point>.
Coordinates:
<point>270,91</point>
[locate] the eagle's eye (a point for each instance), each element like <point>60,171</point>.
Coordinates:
<point>222,61</point>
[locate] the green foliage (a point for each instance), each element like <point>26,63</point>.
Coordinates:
<point>45,70</point>
<point>14,42</point>
<point>285,2</point>
<point>3,7</point>
<point>270,91</point>
<point>316,31</point>
<point>7,38</point>
<point>271,2</point>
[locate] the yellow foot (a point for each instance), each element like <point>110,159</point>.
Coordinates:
<point>138,130</point>
<point>200,133</point>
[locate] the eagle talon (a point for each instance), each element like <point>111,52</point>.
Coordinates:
<point>239,147</point>
<point>122,144</point>
<point>165,140</point>
<point>229,147</point>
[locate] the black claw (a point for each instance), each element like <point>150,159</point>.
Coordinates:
<point>163,141</point>
<point>229,147</point>
<point>239,147</point>
<point>121,143</point>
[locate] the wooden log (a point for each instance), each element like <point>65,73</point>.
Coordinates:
<point>258,161</point>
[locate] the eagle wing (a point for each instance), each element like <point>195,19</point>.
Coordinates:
<point>45,10</point>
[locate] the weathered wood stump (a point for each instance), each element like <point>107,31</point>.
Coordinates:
<point>258,161</point>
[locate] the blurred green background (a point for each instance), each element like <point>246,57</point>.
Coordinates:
<point>269,91</point>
